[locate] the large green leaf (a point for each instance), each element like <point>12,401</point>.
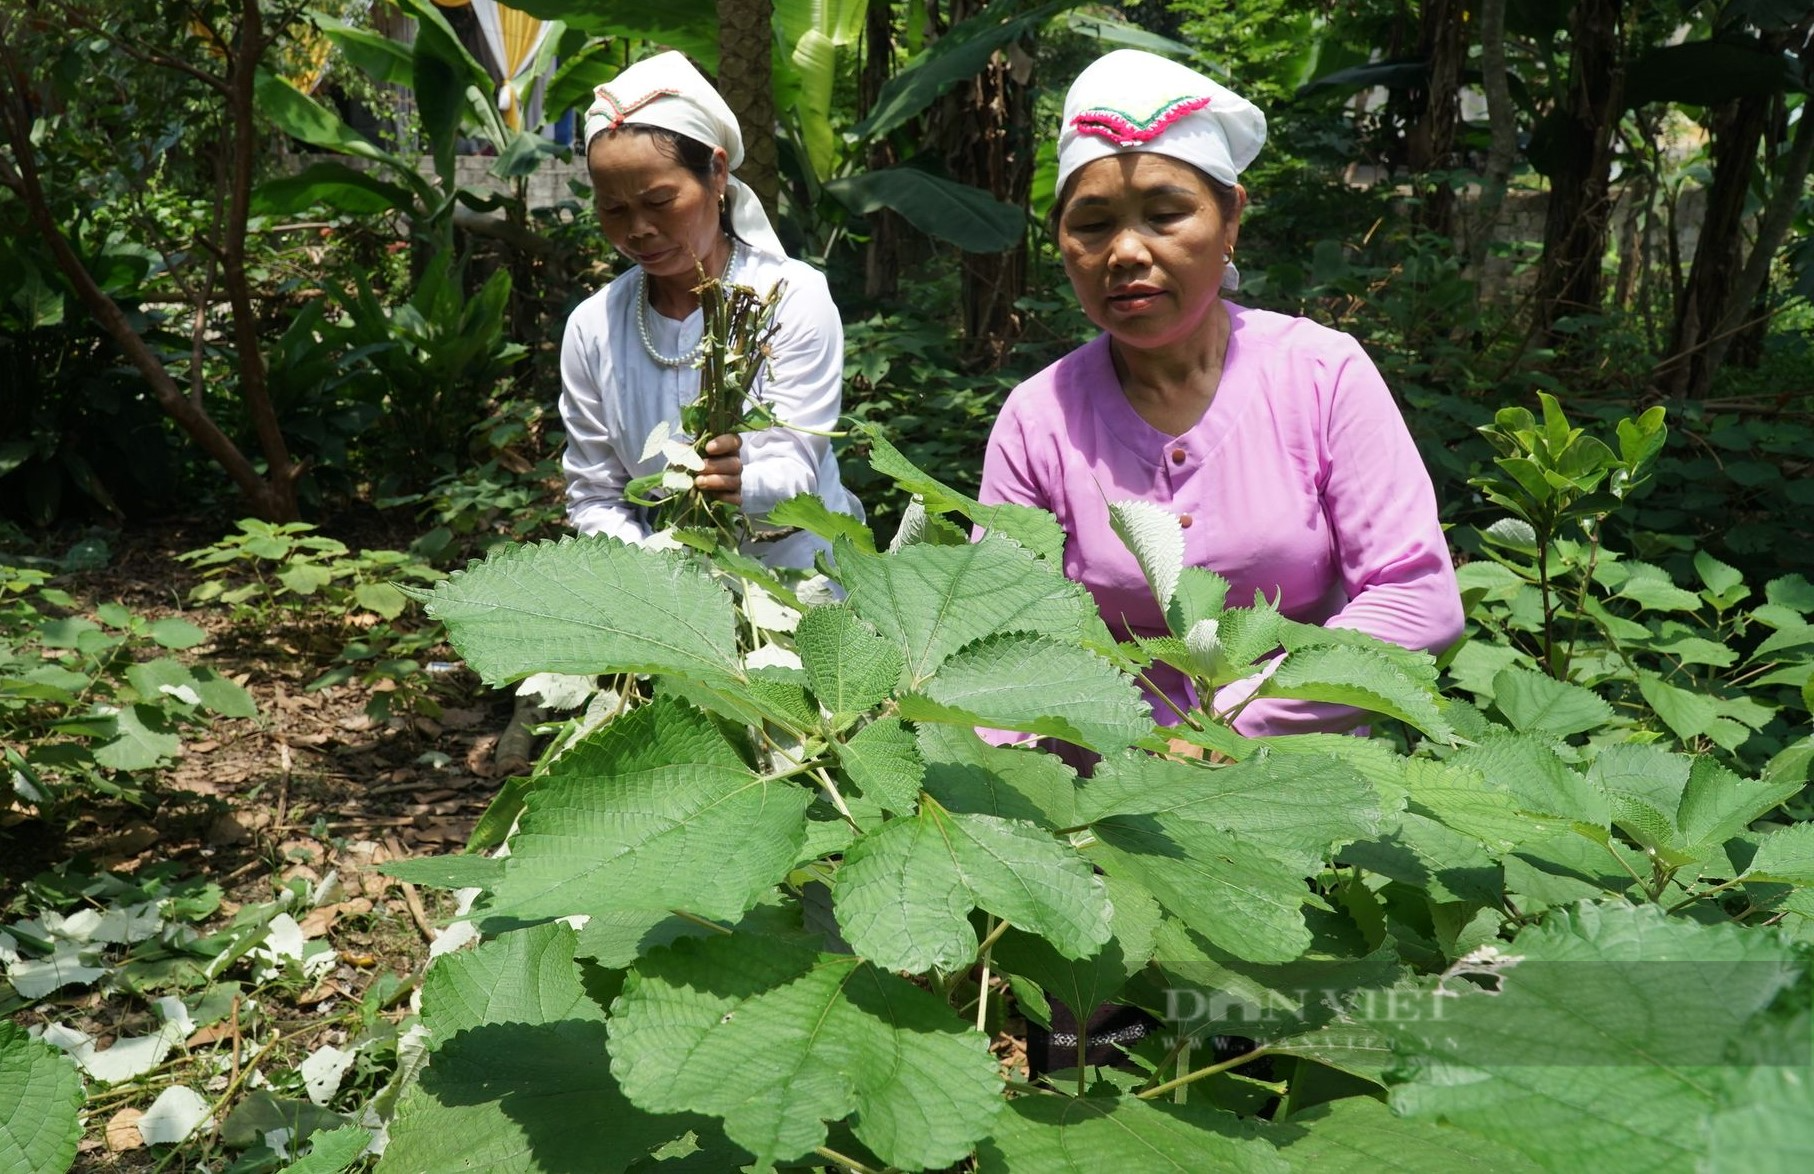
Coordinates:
<point>142,740</point>
<point>1091,981</point>
<point>1768,1124</point>
<point>933,600</point>
<point>1612,1033</point>
<point>1537,703</point>
<point>1717,804</point>
<point>1298,808</point>
<point>300,116</point>
<point>1361,1134</point>
<point>884,763</point>
<point>690,26</point>
<point>656,811</point>
<point>905,891</point>
<point>1094,1134</point>
<point>1018,681</point>
<point>955,57</point>
<point>587,605</point>
<point>1786,855</point>
<point>1366,678</point>
<point>40,1094</point>
<point>849,665</point>
<point>1156,540</point>
<point>523,977</point>
<point>334,185</point>
<point>968,217</point>
<point>966,774</point>
<point>778,1039</point>
<point>1539,782</point>
<point>1232,892</point>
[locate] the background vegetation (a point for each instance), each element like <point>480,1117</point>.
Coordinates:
<point>282,295</point>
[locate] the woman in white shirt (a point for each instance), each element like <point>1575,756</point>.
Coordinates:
<point>661,146</point>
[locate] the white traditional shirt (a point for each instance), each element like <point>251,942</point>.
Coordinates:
<point>615,395</point>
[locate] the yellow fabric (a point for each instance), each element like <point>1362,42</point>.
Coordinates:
<point>520,33</point>
<point>452,3</point>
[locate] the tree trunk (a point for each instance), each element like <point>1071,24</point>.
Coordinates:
<point>1723,283</point>
<point>882,256</point>
<point>987,131</point>
<point>272,496</point>
<point>745,44</point>
<point>1580,206</point>
<point>1430,145</point>
<point>1503,120</point>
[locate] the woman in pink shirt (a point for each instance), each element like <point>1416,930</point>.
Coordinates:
<point>1273,439</point>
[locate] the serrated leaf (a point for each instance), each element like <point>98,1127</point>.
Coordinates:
<point>1459,797</point>
<point>1566,868</point>
<point>933,600</point>
<point>1030,683</point>
<point>516,1096</point>
<point>809,513</point>
<point>1156,541</point>
<point>1538,703</point>
<point>1091,981</point>
<point>1200,595</point>
<point>1687,714</point>
<point>1297,808</point>
<point>40,1095</point>
<point>905,891</point>
<point>527,976</point>
<point>1362,1134</point>
<point>332,1151</point>
<point>1036,530</point>
<point>849,665</point>
<point>1614,1033</point>
<point>964,773</point>
<point>656,811</point>
<point>226,697</point>
<point>587,606</point>
<point>1361,677</point>
<point>778,1039</point>
<point>1539,782</point>
<point>1090,1135</point>
<point>1650,587</point>
<point>1717,804</point>
<point>447,872</point>
<point>884,763</point>
<point>1767,1123</point>
<point>1231,892</point>
<point>1431,857</point>
<point>1786,855</point>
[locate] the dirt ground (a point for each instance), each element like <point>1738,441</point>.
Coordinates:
<point>313,785</point>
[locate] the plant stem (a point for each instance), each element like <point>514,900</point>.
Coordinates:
<point>1200,1073</point>
<point>1705,893</point>
<point>837,799</point>
<point>848,1163</point>
<point>995,934</point>
<point>698,920</point>
<point>982,985</point>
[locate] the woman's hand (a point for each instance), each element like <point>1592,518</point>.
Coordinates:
<point>722,476</point>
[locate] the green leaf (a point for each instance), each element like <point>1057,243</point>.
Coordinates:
<point>1614,1033</point>
<point>1233,893</point>
<point>905,891</point>
<point>447,872</point>
<point>1091,981</point>
<point>383,599</point>
<point>225,697</point>
<point>1537,703</point>
<point>1431,857</point>
<point>1717,804</point>
<point>809,513</point>
<point>334,185</point>
<point>527,976</point>
<point>850,667</point>
<point>1360,1133</point>
<point>953,58</point>
<point>300,116</point>
<point>1361,677</point>
<point>778,1039</point>
<point>522,1096</point>
<point>933,600</point>
<point>964,773</point>
<point>1156,540</point>
<point>1539,782</point>
<point>587,606</point>
<point>175,632</point>
<point>1200,595</point>
<point>332,1151</point>
<point>884,763</point>
<point>1651,587</point>
<point>1766,1124</point>
<point>1297,808</point>
<point>40,1095</point>
<point>1686,713</point>
<point>1036,530</point>
<point>968,217</point>
<point>1791,591</point>
<point>657,811</point>
<point>141,741</point>
<point>1090,1135</point>
<point>1785,855</point>
<point>1026,682</point>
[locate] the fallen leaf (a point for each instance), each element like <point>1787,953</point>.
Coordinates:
<point>173,1116</point>
<point>123,1130</point>
<point>319,921</point>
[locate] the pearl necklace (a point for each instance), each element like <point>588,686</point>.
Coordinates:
<point>642,314</point>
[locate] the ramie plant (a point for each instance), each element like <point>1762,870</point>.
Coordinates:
<point>1709,664</point>
<point>774,915</point>
<point>83,710</point>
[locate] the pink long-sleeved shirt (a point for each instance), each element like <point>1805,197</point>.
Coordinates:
<point>1300,481</point>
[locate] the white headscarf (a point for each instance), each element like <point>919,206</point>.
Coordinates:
<point>1131,100</point>
<point>666,91</point>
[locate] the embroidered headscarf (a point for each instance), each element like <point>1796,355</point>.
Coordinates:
<point>666,91</point>
<point>1131,100</point>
